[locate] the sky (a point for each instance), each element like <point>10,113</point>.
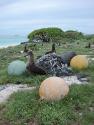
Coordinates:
<point>23,16</point>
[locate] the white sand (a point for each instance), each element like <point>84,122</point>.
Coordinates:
<point>10,89</point>
<point>73,80</point>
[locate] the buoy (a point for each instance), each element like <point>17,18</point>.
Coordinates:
<point>53,88</point>
<point>16,67</point>
<point>79,62</point>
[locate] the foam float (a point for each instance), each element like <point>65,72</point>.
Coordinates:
<point>53,88</point>
<point>16,67</point>
<point>79,62</point>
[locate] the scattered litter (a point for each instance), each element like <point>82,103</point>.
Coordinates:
<point>74,80</point>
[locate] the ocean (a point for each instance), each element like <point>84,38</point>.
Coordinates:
<point>6,41</point>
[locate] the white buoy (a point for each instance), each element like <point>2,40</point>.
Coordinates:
<point>16,67</point>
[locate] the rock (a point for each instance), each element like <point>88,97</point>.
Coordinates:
<point>24,42</point>
<point>67,56</point>
<point>79,76</point>
<point>2,87</point>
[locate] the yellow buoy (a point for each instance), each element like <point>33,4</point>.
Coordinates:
<point>53,88</point>
<point>79,62</point>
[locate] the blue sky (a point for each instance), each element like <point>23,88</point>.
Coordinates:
<point>23,16</point>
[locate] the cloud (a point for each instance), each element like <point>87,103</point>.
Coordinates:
<point>31,14</point>
<point>23,7</point>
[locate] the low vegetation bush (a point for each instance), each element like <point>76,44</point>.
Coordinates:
<point>54,35</point>
<point>46,34</point>
<point>73,35</point>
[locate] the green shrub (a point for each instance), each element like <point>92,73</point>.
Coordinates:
<point>70,34</point>
<point>46,34</point>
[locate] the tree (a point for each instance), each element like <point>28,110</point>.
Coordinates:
<point>46,34</point>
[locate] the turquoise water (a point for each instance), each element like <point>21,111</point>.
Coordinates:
<point>6,41</point>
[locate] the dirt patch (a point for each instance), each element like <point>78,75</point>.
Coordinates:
<point>32,122</point>
<point>3,122</point>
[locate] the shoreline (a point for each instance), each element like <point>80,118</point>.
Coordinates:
<point>6,46</point>
<point>12,41</point>
<point>12,45</point>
